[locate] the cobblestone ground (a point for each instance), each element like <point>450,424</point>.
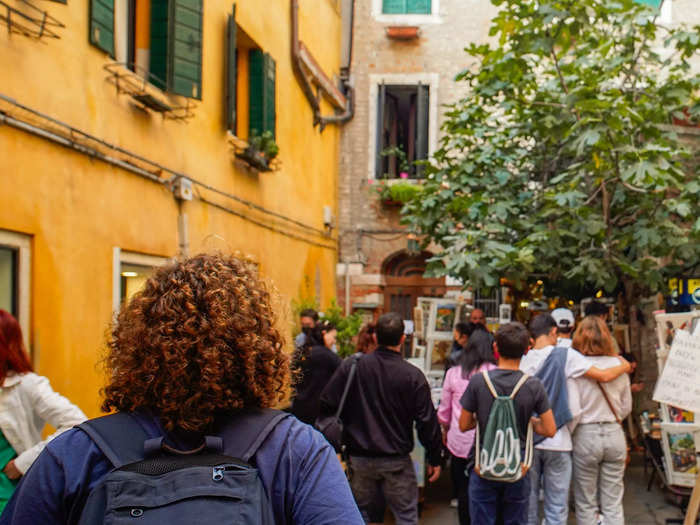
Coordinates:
<point>641,507</point>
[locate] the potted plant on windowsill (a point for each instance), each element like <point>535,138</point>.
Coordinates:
<point>261,151</point>
<point>393,192</point>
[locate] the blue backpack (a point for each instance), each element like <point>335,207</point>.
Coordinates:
<point>152,483</point>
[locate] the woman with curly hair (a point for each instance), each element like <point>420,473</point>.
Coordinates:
<point>314,365</point>
<point>191,352</point>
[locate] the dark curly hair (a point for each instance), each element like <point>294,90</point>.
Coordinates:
<point>198,341</point>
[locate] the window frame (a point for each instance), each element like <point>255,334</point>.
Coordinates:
<point>406,19</point>
<point>22,244</point>
<point>432,80</point>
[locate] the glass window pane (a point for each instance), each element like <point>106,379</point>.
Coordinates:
<point>8,280</point>
<point>133,278</point>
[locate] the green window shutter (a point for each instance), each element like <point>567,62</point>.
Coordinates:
<point>185,57</point>
<point>393,7</point>
<point>231,73</point>
<point>102,25</point>
<point>418,7</point>
<point>176,46</point>
<point>653,3</point>
<point>270,95</point>
<point>422,126</point>
<point>159,43</point>
<point>256,92</point>
<point>262,94</point>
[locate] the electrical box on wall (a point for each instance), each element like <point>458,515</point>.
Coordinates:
<point>327,217</point>
<point>183,189</point>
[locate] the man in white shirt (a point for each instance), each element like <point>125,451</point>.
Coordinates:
<point>556,366</point>
<point>565,326</point>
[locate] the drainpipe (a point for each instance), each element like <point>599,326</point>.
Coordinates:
<point>305,83</point>
<point>296,63</point>
<point>347,288</point>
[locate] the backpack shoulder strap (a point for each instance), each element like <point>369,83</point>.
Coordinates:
<point>119,436</point>
<point>245,433</point>
<point>489,384</point>
<point>519,384</point>
<point>353,369</point>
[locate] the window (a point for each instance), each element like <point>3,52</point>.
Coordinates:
<point>250,86</point>
<point>663,8</point>
<point>160,39</point>
<point>131,270</point>
<point>15,269</point>
<point>406,7</point>
<point>402,130</point>
<point>406,12</point>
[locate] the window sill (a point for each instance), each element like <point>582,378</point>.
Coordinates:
<point>147,95</point>
<point>253,159</point>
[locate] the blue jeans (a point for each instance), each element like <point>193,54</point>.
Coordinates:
<point>489,498</point>
<point>600,454</point>
<point>551,471</point>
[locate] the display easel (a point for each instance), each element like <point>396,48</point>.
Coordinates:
<point>434,320</point>
<point>678,360</point>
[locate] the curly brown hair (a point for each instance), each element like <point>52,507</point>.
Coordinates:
<point>198,341</point>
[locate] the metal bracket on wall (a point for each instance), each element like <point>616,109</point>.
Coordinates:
<point>143,88</point>
<point>28,20</point>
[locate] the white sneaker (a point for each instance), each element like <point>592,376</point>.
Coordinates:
<point>453,503</point>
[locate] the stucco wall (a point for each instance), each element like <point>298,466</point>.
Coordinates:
<point>77,209</point>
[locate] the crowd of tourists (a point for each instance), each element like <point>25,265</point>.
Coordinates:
<point>196,364</point>
<point>569,389</point>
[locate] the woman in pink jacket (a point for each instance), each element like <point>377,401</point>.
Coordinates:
<point>477,356</point>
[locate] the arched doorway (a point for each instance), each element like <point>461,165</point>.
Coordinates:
<point>404,282</point>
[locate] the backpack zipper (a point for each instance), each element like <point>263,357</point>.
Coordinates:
<point>217,473</point>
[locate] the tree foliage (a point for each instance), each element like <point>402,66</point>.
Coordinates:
<point>562,161</point>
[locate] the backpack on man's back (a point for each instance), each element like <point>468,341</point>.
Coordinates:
<point>157,484</point>
<point>498,454</point>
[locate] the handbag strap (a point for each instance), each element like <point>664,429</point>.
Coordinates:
<point>353,369</point>
<point>610,405</point>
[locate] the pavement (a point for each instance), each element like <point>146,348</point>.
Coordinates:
<point>641,507</point>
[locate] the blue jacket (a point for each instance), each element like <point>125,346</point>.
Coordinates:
<point>299,470</point>
<point>552,373</point>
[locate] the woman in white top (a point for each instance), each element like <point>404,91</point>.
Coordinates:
<point>27,403</point>
<point>600,449</point>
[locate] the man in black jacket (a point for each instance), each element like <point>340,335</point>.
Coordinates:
<point>387,396</point>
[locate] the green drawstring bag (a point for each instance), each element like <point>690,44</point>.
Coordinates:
<point>499,458</point>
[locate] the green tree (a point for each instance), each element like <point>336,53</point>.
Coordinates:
<point>348,327</point>
<point>561,160</point>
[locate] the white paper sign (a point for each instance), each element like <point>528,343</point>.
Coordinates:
<point>679,384</point>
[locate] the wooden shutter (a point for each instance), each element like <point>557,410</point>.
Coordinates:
<point>422,125</point>
<point>256,92</point>
<point>185,64</point>
<point>262,80</point>
<point>393,7</point>
<point>159,43</point>
<point>232,74</point>
<point>176,46</point>
<point>102,25</point>
<point>418,7</point>
<point>379,159</point>
<point>270,95</point>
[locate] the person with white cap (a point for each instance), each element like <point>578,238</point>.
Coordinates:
<point>565,326</point>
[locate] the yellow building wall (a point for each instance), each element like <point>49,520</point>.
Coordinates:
<point>77,209</point>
